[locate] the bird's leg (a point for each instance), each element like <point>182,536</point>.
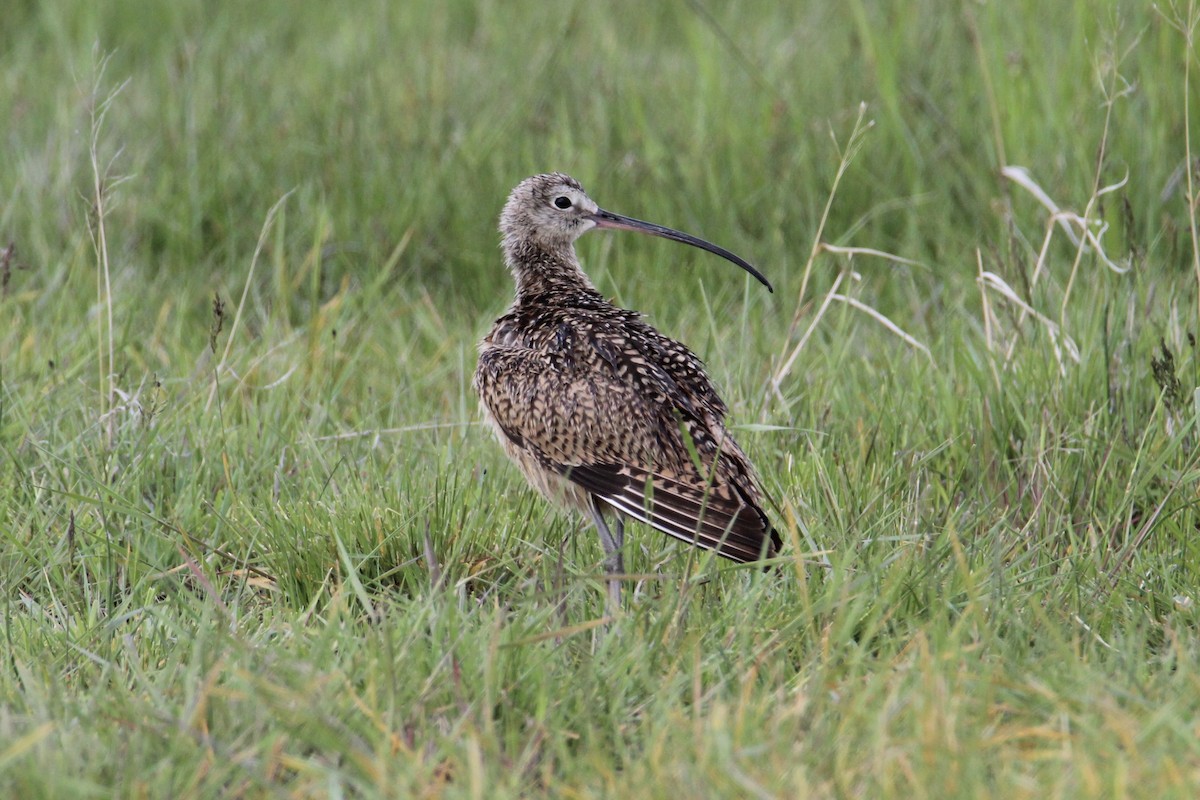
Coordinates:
<point>613,563</point>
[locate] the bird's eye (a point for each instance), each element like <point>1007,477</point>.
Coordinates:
<point>562,201</point>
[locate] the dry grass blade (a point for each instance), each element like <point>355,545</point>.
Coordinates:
<point>993,281</point>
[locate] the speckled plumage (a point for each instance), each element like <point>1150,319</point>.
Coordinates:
<point>601,411</point>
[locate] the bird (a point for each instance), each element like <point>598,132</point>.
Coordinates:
<point>601,412</point>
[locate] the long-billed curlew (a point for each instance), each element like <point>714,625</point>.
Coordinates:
<point>601,411</point>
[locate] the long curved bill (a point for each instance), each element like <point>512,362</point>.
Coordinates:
<point>607,219</point>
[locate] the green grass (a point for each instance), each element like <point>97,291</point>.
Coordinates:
<point>268,550</point>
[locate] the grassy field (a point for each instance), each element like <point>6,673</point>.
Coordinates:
<point>256,543</point>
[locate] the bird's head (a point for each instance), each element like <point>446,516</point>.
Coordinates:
<point>551,211</point>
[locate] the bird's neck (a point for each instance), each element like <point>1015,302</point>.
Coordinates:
<point>544,272</point>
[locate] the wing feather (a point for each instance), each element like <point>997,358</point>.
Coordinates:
<point>619,435</point>
<point>693,513</point>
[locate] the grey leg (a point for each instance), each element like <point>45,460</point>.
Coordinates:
<point>613,563</point>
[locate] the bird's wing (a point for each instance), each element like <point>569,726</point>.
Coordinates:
<point>639,450</point>
<point>708,516</point>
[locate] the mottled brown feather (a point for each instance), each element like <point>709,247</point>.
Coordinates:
<point>599,408</point>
